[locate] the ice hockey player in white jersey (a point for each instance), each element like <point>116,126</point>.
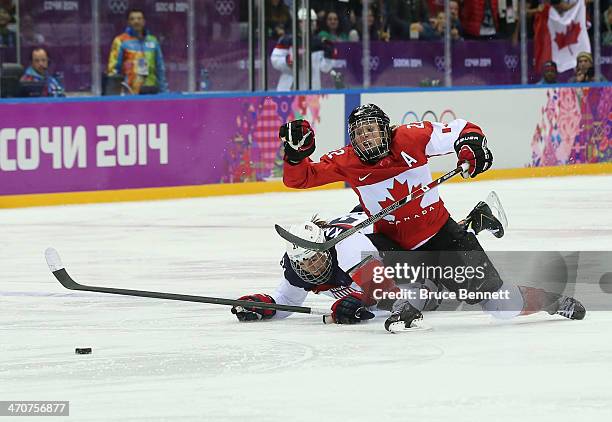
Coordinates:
<point>340,273</point>
<point>345,273</point>
<point>321,58</point>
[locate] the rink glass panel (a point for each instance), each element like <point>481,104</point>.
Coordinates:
<point>64,30</point>
<point>221,28</point>
<point>168,26</point>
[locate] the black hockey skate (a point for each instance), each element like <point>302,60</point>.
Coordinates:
<point>403,317</point>
<point>481,218</point>
<point>567,307</point>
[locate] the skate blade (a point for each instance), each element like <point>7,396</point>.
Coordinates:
<point>400,327</point>
<point>496,207</point>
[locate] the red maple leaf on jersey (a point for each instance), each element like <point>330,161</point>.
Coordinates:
<point>399,191</point>
<point>569,37</point>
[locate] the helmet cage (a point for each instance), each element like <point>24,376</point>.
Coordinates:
<point>316,269</point>
<point>370,138</point>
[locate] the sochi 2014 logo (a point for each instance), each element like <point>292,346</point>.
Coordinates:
<point>224,7</point>
<point>445,117</point>
<point>118,6</point>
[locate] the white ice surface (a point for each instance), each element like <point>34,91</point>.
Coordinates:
<point>158,360</point>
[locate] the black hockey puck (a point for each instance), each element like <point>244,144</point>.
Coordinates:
<point>605,283</point>
<point>83,351</point>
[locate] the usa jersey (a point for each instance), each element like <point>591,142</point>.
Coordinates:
<point>395,176</point>
<point>318,62</point>
<point>348,272</point>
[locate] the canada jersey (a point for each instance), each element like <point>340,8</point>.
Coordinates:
<point>397,175</point>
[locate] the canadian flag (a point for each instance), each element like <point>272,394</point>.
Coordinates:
<point>560,37</point>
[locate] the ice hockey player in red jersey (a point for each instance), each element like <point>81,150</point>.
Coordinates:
<point>382,165</point>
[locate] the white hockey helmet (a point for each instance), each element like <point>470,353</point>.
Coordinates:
<point>311,266</point>
<point>302,14</point>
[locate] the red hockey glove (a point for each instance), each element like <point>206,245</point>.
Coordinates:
<point>350,309</point>
<point>298,139</point>
<point>472,148</point>
<point>254,314</point>
<point>329,50</point>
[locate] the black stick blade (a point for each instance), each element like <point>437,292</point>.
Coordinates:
<point>64,278</point>
<point>57,268</point>
<point>319,247</point>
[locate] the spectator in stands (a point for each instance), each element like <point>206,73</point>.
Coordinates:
<point>341,7</point>
<point>38,71</point>
<point>534,9</point>
<point>565,5</point>
<point>9,5</point>
<point>435,7</point>
<point>355,15</point>
<point>354,23</point>
<point>374,23</point>
<point>584,71</point>
<point>331,28</point>
<point>136,54</point>
<point>29,36</point>
<point>549,73</point>
<point>278,19</point>
<point>456,17</point>
<point>480,19</point>
<point>406,18</point>
<point>434,31</point>
<point>454,9</point>
<point>508,19</point>
<point>7,35</point>
<point>606,37</point>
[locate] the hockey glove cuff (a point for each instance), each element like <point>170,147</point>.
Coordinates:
<point>329,50</point>
<point>298,139</point>
<point>350,309</point>
<point>254,314</point>
<point>472,148</point>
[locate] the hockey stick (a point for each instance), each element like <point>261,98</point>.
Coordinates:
<point>323,246</point>
<point>57,268</point>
